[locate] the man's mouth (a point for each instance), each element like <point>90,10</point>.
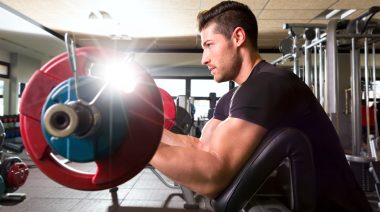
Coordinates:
<point>211,69</point>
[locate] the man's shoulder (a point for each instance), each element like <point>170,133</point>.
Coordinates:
<point>267,68</point>
<point>267,74</point>
<point>230,93</point>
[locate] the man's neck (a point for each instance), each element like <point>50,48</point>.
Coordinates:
<point>247,67</point>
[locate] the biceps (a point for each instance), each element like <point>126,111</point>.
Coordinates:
<point>208,130</point>
<point>234,140</point>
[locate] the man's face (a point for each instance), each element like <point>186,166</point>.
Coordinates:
<point>219,54</point>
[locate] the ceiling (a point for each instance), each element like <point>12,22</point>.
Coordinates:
<point>168,24</point>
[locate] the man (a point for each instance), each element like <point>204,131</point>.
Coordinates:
<point>266,98</point>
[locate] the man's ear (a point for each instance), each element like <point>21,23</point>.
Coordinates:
<point>238,36</point>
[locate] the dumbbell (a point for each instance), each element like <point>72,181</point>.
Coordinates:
<point>85,119</point>
<point>14,173</point>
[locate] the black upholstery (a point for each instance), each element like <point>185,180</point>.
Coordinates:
<point>278,145</point>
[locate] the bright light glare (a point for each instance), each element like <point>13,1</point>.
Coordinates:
<point>121,76</point>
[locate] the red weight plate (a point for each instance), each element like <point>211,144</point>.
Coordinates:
<point>169,109</point>
<point>144,115</point>
<point>17,174</point>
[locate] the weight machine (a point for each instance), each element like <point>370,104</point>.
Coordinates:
<point>346,90</point>
<point>306,41</point>
<point>349,104</point>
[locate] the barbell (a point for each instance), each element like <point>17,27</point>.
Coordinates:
<point>84,118</point>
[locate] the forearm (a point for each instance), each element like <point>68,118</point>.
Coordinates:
<point>173,139</point>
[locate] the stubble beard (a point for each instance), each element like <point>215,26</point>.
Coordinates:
<point>230,73</point>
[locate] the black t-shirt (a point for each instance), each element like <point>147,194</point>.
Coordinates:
<point>272,98</point>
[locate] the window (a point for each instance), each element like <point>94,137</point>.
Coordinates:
<point>203,87</point>
<point>201,109</point>
<point>4,69</point>
<point>199,89</point>
<point>174,87</point>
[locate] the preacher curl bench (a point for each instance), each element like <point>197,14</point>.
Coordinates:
<point>280,146</point>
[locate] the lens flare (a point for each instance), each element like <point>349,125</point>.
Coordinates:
<point>121,75</point>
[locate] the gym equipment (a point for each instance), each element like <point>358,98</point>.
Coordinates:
<point>306,40</point>
<point>286,46</point>
<point>344,85</point>
<point>185,111</point>
<point>363,34</point>
<point>169,109</point>
<point>344,81</point>
<point>186,194</point>
<point>309,34</point>
<point>13,172</point>
<point>183,122</point>
<point>279,145</point>
<point>82,117</point>
<point>360,80</point>
<point>212,99</point>
<point>359,24</point>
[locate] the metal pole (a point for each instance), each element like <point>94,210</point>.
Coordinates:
<point>321,74</point>
<point>307,64</point>
<point>332,99</point>
<point>373,142</point>
<point>282,59</point>
<point>374,90</point>
<point>366,85</point>
<point>315,78</point>
<point>315,43</point>
<point>370,141</point>
<point>356,99</point>
<point>295,56</point>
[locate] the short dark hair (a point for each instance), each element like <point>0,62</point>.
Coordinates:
<point>228,15</point>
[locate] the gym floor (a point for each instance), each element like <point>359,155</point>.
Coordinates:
<point>144,192</point>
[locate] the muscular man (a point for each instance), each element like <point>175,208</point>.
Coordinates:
<point>266,98</point>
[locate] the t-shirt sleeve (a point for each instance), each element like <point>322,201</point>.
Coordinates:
<point>222,107</point>
<point>265,100</point>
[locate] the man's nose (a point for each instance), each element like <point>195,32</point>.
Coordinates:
<point>205,58</point>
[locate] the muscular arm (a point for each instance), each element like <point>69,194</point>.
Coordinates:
<point>179,140</point>
<point>209,168</point>
<point>173,139</point>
